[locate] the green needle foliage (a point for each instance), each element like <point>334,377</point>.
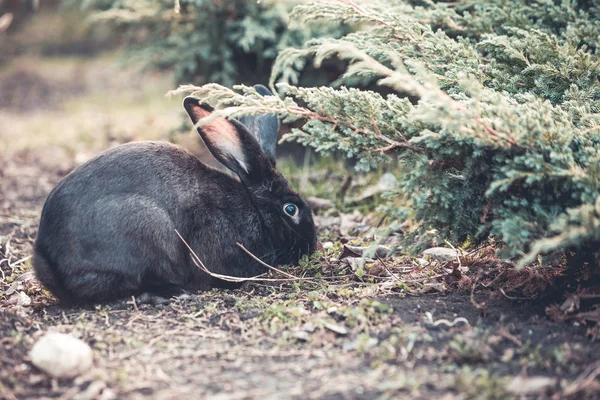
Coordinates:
<point>493,116</point>
<point>225,41</point>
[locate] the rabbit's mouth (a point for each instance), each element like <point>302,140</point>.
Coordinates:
<point>298,244</point>
<point>295,253</point>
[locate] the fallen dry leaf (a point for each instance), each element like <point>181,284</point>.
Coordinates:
<point>530,385</point>
<point>357,251</point>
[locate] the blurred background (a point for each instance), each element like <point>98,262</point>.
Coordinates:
<point>79,76</point>
<point>68,88</point>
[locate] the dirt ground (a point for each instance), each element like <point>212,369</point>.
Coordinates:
<point>399,330</point>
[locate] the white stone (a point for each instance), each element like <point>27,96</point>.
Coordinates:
<point>61,355</point>
<point>339,329</point>
<point>526,386</point>
<point>441,254</point>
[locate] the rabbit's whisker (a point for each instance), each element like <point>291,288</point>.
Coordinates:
<point>277,255</point>
<point>273,253</point>
<point>292,229</point>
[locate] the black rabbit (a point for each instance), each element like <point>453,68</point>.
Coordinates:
<point>108,229</point>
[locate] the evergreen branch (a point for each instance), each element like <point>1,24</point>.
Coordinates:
<point>403,82</point>
<point>392,144</point>
<point>236,105</point>
<point>370,16</point>
<point>493,115</point>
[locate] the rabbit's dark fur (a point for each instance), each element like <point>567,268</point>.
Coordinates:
<point>107,230</point>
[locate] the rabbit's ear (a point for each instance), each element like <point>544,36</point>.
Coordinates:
<point>230,142</point>
<point>263,126</point>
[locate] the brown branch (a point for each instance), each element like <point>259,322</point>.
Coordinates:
<point>494,132</point>
<point>392,144</point>
<point>479,306</point>
<point>505,333</point>
<point>387,269</point>
<point>396,145</point>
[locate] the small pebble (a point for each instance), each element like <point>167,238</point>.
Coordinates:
<point>61,355</point>
<point>339,329</point>
<point>441,254</point>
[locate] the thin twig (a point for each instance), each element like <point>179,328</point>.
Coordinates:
<point>514,298</point>
<point>387,269</point>
<point>505,333</point>
<point>424,279</point>
<point>480,306</point>
<point>493,280</point>
<point>229,278</point>
<point>18,262</point>
<point>584,380</point>
<point>134,303</point>
<point>392,143</point>
<point>241,246</point>
<point>457,253</point>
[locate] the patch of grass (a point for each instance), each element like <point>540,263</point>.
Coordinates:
<point>283,315</point>
<point>251,303</point>
<point>535,356</point>
<point>471,347</point>
<point>481,384</point>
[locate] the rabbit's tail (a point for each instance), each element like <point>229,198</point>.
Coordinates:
<point>47,274</point>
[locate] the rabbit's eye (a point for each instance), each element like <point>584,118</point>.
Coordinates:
<point>290,209</point>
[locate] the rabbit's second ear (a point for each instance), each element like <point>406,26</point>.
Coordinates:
<point>230,142</point>
<point>264,126</point>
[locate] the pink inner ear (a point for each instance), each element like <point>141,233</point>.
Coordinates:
<point>198,112</point>
<point>221,135</point>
